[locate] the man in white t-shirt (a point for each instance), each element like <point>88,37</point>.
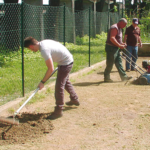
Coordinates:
<point>53,51</point>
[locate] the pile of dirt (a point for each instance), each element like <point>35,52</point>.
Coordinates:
<point>31,127</point>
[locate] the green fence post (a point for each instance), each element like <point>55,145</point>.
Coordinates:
<point>119,10</point>
<point>108,15</point>
<point>22,47</point>
<point>89,34</point>
<point>122,8</point>
<point>64,22</point>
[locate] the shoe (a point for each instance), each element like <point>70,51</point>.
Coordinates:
<point>127,78</point>
<point>58,112</point>
<point>133,69</point>
<point>108,80</point>
<point>128,70</point>
<point>73,102</point>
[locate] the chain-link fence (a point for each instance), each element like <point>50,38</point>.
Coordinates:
<point>83,33</point>
<point>10,35</point>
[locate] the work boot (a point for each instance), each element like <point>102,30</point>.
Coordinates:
<point>58,112</point>
<point>133,69</point>
<point>108,80</point>
<point>73,102</point>
<point>128,70</point>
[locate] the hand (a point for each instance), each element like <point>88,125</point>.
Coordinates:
<point>125,44</point>
<point>140,44</point>
<point>41,85</point>
<point>122,46</point>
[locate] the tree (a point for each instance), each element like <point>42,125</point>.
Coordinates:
<point>144,7</point>
<point>128,7</point>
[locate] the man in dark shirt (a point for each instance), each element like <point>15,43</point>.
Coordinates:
<point>113,44</point>
<point>131,38</point>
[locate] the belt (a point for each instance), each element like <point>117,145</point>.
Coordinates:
<point>66,65</point>
<point>110,45</point>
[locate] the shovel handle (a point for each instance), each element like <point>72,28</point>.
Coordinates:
<point>31,96</point>
<point>26,102</point>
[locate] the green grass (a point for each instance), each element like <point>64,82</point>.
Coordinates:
<point>35,68</point>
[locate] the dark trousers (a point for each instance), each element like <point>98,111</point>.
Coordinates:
<point>113,57</point>
<point>62,82</point>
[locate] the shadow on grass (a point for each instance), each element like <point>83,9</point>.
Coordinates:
<point>93,83</point>
<point>103,72</point>
<point>66,108</point>
<point>88,83</point>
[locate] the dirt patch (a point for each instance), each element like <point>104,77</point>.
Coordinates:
<point>31,127</point>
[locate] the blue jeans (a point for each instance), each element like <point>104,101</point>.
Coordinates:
<point>133,55</point>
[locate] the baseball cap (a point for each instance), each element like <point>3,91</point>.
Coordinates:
<point>123,19</point>
<point>135,20</point>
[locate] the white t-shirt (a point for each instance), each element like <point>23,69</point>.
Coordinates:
<point>55,50</point>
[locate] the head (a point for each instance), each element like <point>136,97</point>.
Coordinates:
<point>31,44</point>
<point>122,23</point>
<point>135,21</point>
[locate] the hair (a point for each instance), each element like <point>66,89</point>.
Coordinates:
<point>123,19</point>
<point>29,41</point>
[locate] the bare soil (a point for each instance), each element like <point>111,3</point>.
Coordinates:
<point>112,116</point>
<point>30,127</point>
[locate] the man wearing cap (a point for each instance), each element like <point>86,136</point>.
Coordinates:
<point>113,44</point>
<point>132,37</point>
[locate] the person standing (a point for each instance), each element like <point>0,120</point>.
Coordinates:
<point>132,37</point>
<point>53,51</point>
<point>113,44</point>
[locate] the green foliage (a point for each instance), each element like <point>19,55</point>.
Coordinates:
<point>115,8</point>
<point>100,38</point>
<point>6,57</point>
<point>145,30</point>
<point>82,40</point>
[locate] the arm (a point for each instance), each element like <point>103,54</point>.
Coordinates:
<point>125,38</point>
<point>49,64</point>
<point>113,34</point>
<point>139,40</point>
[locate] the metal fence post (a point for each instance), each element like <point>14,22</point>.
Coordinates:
<point>108,15</point>
<point>22,46</point>
<point>89,33</point>
<point>74,32</point>
<point>122,8</point>
<point>64,23</point>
